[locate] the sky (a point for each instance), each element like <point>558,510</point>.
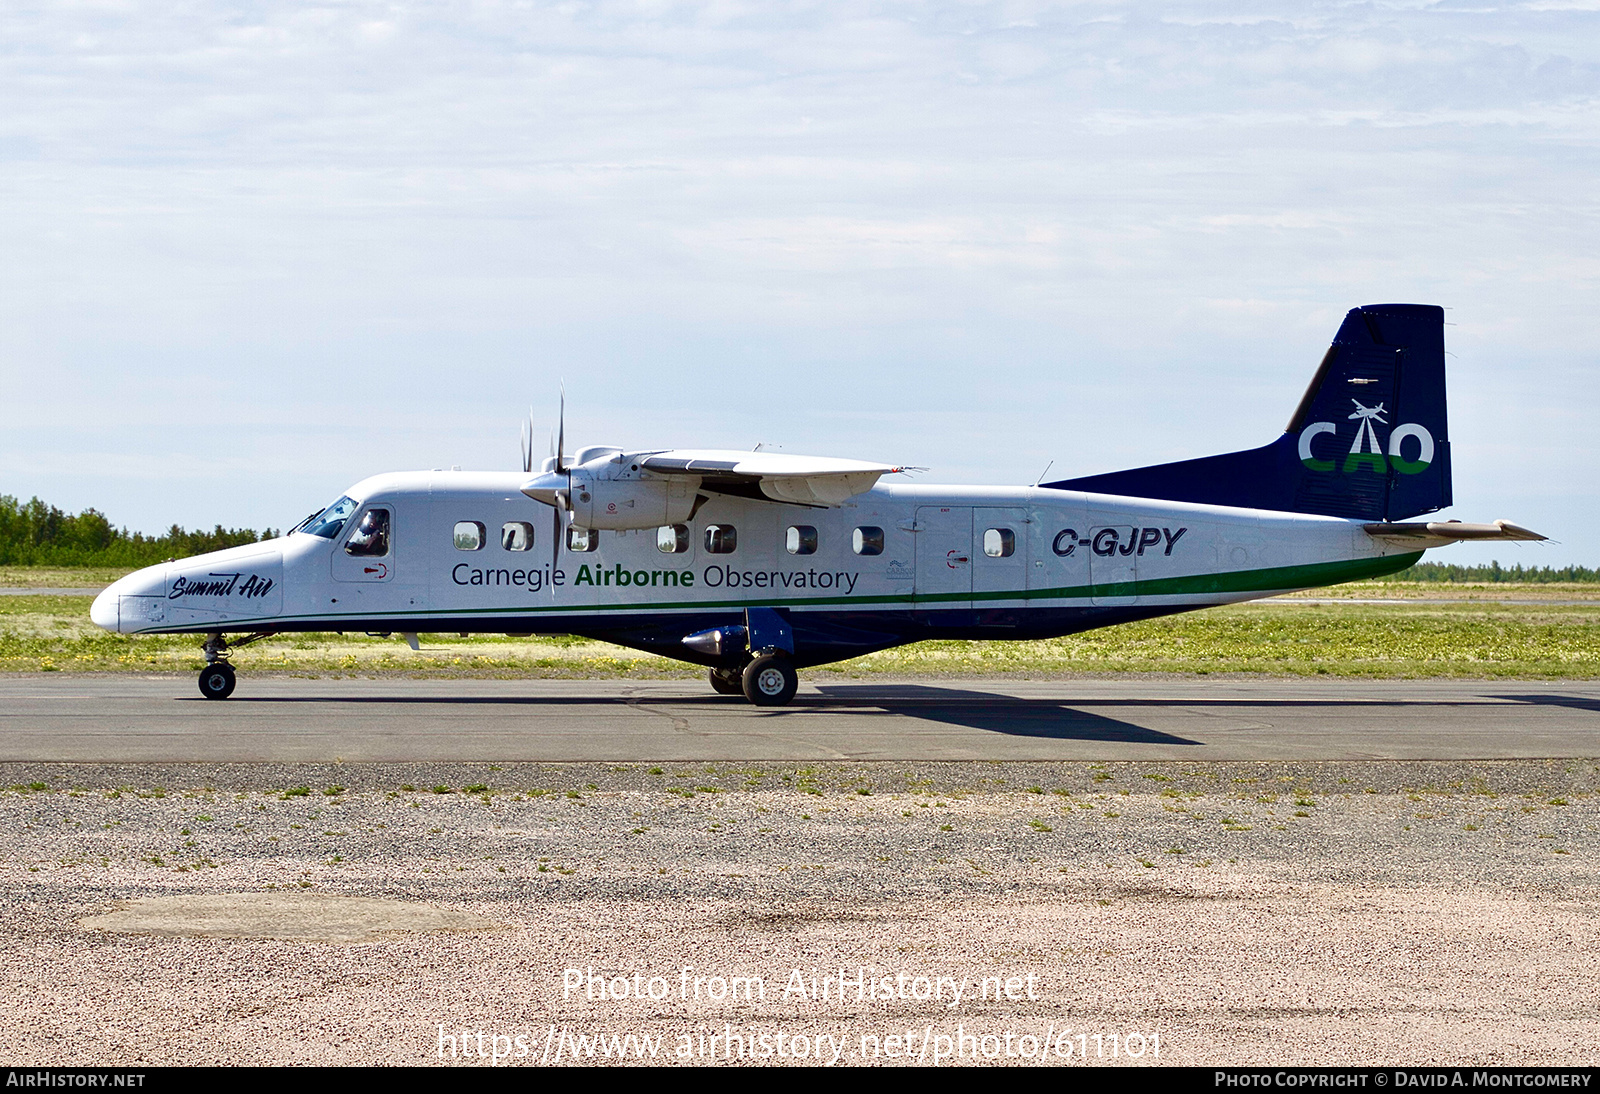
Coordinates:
<point>256,252</point>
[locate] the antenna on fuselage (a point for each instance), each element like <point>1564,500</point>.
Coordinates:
<point>1045,472</point>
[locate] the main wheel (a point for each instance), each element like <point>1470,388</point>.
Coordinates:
<point>726,682</point>
<point>217,680</point>
<point>770,680</point>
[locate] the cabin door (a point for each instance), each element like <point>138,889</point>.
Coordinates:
<point>1000,558</point>
<point>944,556</point>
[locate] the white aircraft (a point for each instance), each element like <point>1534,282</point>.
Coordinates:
<point>757,564</point>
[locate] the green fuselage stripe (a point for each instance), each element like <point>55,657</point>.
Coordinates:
<point>1273,579</point>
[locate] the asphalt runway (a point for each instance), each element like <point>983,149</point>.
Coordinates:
<point>124,719</point>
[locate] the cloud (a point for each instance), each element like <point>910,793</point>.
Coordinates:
<point>1104,233</point>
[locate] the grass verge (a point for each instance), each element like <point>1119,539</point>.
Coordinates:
<point>1420,639</point>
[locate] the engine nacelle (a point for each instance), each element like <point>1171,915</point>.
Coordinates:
<point>630,503</point>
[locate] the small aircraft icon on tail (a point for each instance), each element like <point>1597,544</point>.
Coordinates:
<point>756,565</point>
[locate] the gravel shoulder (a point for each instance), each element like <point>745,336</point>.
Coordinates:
<point>1317,913</point>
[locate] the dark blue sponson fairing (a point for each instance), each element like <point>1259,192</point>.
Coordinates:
<point>821,638</point>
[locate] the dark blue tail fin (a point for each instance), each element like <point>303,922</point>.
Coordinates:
<point>1369,440</point>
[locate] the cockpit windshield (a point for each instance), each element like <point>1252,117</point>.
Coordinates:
<point>328,522</point>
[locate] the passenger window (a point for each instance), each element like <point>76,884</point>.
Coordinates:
<point>516,535</point>
<point>469,535</point>
<point>867,541</point>
<point>721,539</point>
<point>999,542</point>
<point>371,537</point>
<point>802,540</point>
<point>582,540</point>
<point>673,539</point>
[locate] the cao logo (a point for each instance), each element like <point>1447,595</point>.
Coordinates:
<point>1365,450</point>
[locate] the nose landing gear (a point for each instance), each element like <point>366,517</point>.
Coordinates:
<point>217,679</point>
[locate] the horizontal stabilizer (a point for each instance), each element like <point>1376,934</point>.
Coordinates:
<point>1438,533</point>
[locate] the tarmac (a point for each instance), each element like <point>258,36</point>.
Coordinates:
<point>128,719</point>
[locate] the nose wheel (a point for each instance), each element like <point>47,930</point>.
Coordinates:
<point>217,680</point>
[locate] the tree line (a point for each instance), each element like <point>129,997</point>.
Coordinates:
<point>34,533</point>
<point>1494,573</point>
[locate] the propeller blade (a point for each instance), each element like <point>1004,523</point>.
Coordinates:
<point>561,436</point>
<point>555,545</point>
<point>555,509</point>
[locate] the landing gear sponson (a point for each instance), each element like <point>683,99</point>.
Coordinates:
<point>758,658</point>
<point>217,679</point>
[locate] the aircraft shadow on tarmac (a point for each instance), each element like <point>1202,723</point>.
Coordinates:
<point>1055,719</point>
<point>1576,702</point>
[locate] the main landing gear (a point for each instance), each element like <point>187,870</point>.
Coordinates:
<point>727,682</point>
<point>757,658</point>
<point>769,680</point>
<point>217,679</point>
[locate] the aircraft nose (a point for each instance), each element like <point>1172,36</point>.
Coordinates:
<point>103,612</point>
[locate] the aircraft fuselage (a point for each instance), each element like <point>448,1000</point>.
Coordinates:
<point>468,552</point>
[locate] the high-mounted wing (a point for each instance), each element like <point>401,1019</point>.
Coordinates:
<point>818,481</point>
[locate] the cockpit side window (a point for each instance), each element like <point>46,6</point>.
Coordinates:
<point>371,537</point>
<point>328,523</point>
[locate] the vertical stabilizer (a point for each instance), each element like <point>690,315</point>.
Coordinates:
<point>1368,441</point>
